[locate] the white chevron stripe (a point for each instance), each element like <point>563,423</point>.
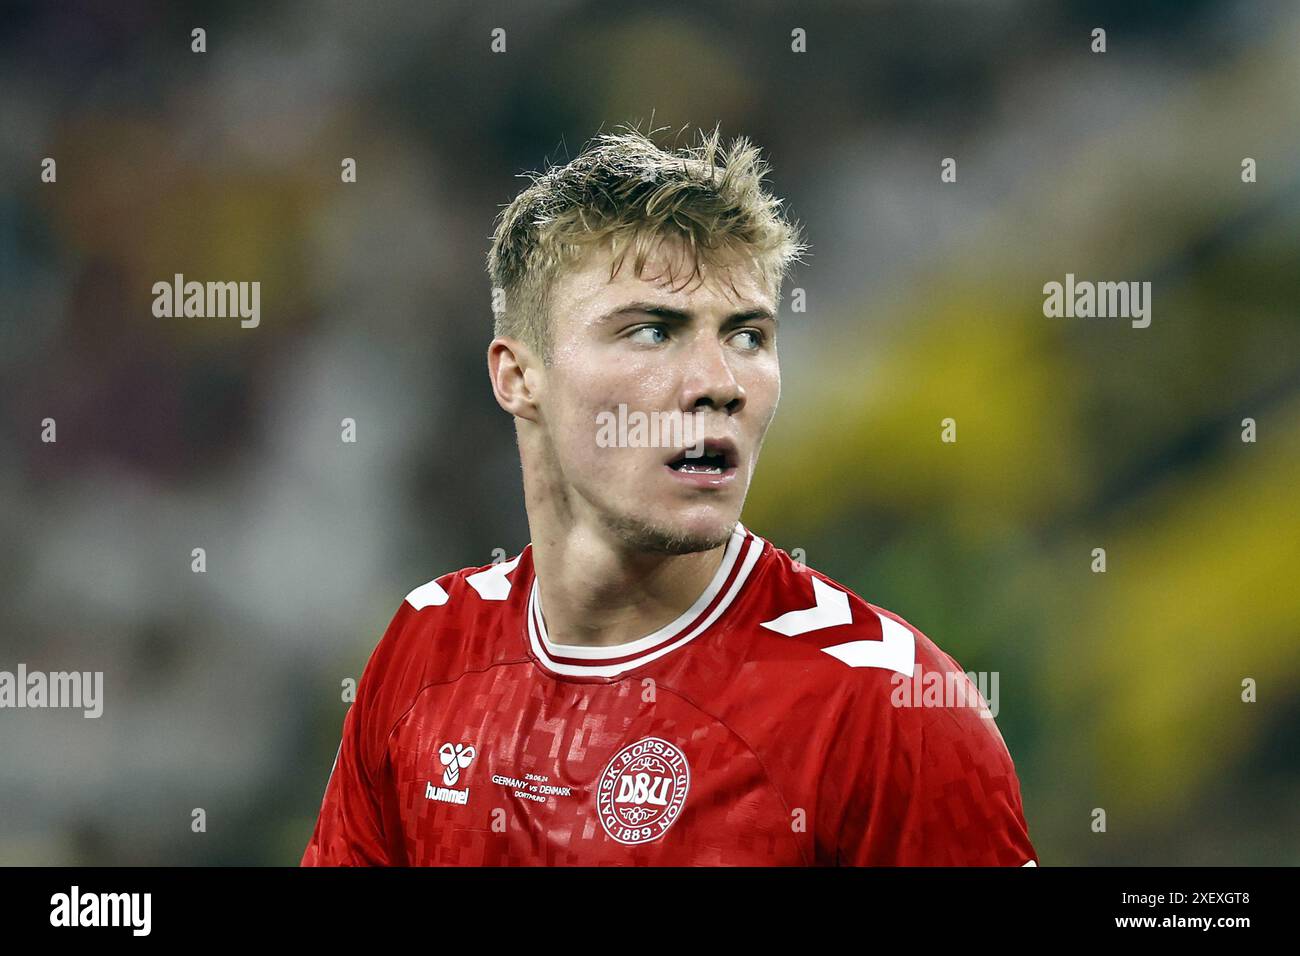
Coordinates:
<point>897,652</point>
<point>491,584</point>
<point>427,595</point>
<point>831,609</point>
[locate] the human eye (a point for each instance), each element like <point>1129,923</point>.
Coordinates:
<point>648,335</point>
<point>751,340</point>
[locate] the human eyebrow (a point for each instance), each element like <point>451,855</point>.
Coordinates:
<point>681,316</point>
<point>649,308</point>
<point>751,315</point>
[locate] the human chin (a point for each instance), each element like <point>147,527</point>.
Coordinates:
<point>678,528</point>
<point>659,533</point>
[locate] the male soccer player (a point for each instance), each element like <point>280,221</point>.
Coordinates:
<point>648,681</point>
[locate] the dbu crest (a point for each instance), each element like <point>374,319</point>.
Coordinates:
<point>642,791</point>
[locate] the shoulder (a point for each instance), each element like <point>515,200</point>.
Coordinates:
<point>872,667</point>
<point>801,609</point>
<point>446,626</point>
<point>488,582</point>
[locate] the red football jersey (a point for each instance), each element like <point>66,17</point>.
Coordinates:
<point>762,727</point>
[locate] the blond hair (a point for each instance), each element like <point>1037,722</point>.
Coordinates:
<point>625,188</point>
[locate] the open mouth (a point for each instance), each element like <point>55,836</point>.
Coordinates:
<point>719,458</point>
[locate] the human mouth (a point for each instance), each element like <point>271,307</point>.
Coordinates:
<point>715,467</point>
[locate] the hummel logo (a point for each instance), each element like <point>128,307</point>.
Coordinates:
<point>455,758</point>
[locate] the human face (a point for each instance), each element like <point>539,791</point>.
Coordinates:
<point>705,352</point>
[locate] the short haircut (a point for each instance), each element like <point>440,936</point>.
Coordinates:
<point>625,188</point>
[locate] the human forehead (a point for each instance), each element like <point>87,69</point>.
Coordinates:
<point>586,290</point>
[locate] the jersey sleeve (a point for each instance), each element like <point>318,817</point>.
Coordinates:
<point>354,827</point>
<point>929,786</point>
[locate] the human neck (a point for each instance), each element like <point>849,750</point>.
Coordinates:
<point>596,591</point>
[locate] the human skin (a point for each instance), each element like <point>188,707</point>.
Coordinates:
<point>623,543</point>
